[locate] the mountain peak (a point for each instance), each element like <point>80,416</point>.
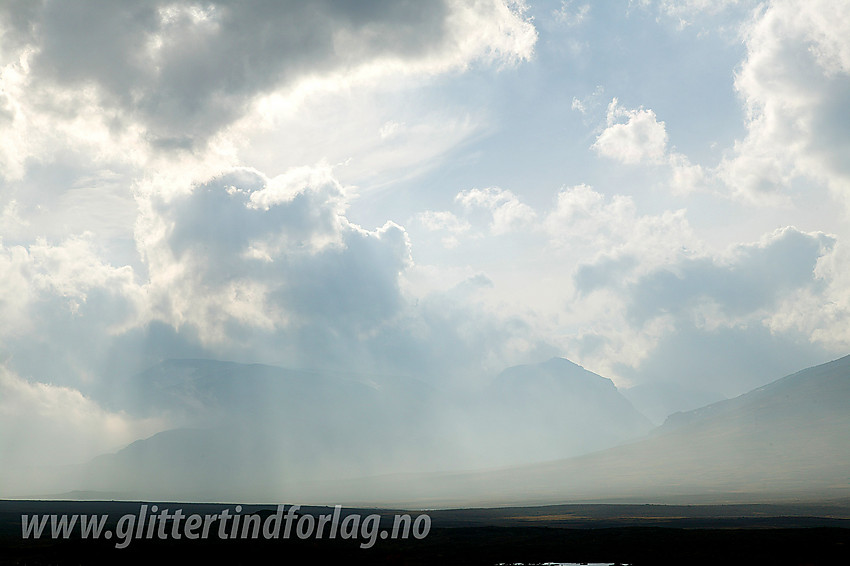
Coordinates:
<point>554,373</point>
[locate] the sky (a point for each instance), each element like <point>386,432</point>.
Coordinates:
<point>657,190</point>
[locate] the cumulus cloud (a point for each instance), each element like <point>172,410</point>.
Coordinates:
<point>143,215</point>
<point>508,213</point>
<point>640,138</point>
<point>821,313</point>
<point>245,251</point>
<point>96,97</point>
<point>244,266</point>
<point>62,305</point>
<point>795,84</point>
<point>705,302</point>
<point>50,424</point>
<point>272,269</point>
<point>636,136</point>
<point>612,227</point>
<point>752,278</point>
<point>443,221</point>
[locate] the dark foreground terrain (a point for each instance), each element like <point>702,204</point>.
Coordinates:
<point>793,533</point>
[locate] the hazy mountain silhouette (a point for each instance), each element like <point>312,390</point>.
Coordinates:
<point>658,400</point>
<point>788,439</point>
<point>246,431</point>
<point>551,410</point>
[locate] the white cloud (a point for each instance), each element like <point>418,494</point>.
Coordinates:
<point>578,105</point>
<point>154,202</point>
<point>508,213</point>
<point>590,102</point>
<point>71,276</point>
<point>258,252</point>
<point>45,424</point>
<point>641,138</point>
<point>390,129</point>
<point>686,177</point>
<point>821,313</point>
<point>272,269</point>
<point>584,218</point>
<point>444,221</point>
<point>795,83</point>
<point>757,296</point>
<point>570,14</point>
<point>687,12</point>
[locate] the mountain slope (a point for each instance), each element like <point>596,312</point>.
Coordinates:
<point>554,409</point>
<point>267,428</point>
<point>659,400</point>
<point>788,439</point>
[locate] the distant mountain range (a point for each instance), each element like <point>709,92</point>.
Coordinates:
<point>541,433</point>
<point>247,431</point>
<point>787,440</point>
<point>658,400</point>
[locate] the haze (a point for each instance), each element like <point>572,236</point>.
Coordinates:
<point>249,246</point>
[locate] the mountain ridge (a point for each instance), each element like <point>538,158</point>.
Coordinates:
<point>756,449</point>
<point>312,426</point>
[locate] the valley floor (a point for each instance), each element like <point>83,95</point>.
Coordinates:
<point>793,533</point>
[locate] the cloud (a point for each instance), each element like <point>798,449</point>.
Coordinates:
<point>85,116</point>
<point>50,424</point>
<point>154,204</point>
<point>508,213</point>
<point>821,313</point>
<point>752,278</point>
<point>724,361</point>
<point>642,139</point>
<point>584,218</point>
<point>454,339</point>
<point>689,12</point>
<point>444,221</point>
<point>62,306</point>
<point>795,84</point>
<point>700,303</point>
<point>241,250</point>
<point>571,15</point>
<point>272,269</point>
<point>183,71</point>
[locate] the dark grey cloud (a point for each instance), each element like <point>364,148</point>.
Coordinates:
<point>285,246</point>
<point>605,271</point>
<point>715,334</point>
<point>272,270</point>
<point>757,277</point>
<point>187,69</point>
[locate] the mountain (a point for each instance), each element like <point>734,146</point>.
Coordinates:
<point>811,396</point>
<point>242,430</point>
<point>661,399</point>
<point>788,439</point>
<point>248,431</point>
<point>551,410</point>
